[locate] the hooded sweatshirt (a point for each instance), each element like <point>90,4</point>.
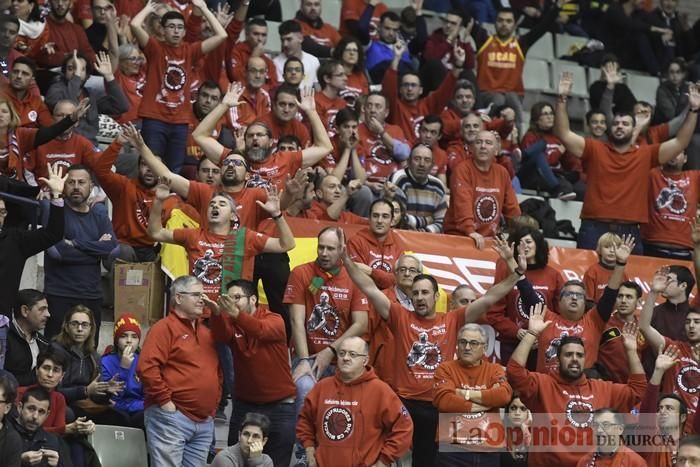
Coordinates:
<point>550,394</point>
<point>364,247</point>
<point>354,424</point>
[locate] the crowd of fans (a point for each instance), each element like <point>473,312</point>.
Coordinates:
<point>212,146</point>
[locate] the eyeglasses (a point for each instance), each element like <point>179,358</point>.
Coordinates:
<point>352,355</point>
<point>234,162</point>
<point>576,295</point>
<point>193,294</point>
<point>80,324</point>
<point>471,344</point>
<point>404,270</point>
<point>604,425</point>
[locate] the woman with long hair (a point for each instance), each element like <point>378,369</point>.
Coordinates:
<point>545,163</point>
<point>350,53</point>
<point>84,393</point>
<point>539,283</point>
<point>516,421</point>
<point>15,142</point>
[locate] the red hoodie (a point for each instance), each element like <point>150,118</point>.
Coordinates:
<point>550,394</point>
<point>364,248</point>
<point>354,424</point>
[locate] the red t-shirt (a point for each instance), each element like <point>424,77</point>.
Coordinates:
<point>329,310</point>
<point>169,72</point>
<point>274,169</point>
<point>353,9</point>
<point>249,213</point>
<point>439,161</point>
<point>279,128</point>
<point>589,328</point>
<point>61,153</point>
<point>327,108</point>
<point>204,252</point>
<point>683,379</point>
<point>673,205</point>
<point>596,280</point>
<point>356,86</point>
<point>377,159</point>
<point>617,183</point>
<point>133,87</point>
<point>319,210</point>
<point>251,107</point>
<point>612,354</point>
<point>326,35</point>
<point>421,344</point>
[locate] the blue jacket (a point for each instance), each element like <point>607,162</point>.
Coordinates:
<point>131,399</point>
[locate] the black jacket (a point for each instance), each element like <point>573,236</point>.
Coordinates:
<point>10,446</point>
<point>39,439</point>
<point>18,245</point>
<point>18,356</point>
<point>80,370</point>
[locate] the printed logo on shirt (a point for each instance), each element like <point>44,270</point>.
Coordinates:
<point>382,265</point>
<point>486,208</point>
<point>324,317</point>
<point>207,269</point>
<point>579,411</point>
<point>32,115</point>
<point>424,353</point>
<point>525,314</point>
<point>672,197</point>
<point>171,93</point>
<point>337,423</point>
<point>688,377</point>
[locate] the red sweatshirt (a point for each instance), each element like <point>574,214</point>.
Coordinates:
<point>354,424</point>
<point>550,394</point>
<point>596,280</point>
<point>624,457</point>
<point>257,341</point>
<point>611,354</point>
<point>66,37</point>
<point>408,116</point>
<point>132,201</point>
<point>487,377</point>
<point>364,248</point>
<point>479,199</point>
<point>179,364</point>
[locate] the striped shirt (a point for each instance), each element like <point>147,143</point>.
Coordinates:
<point>426,203</point>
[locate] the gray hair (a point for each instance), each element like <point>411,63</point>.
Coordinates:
<point>126,49</point>
<point>413,257</point>
<point>473,327</point>
<point>181,284</point>
<point>231,202</point>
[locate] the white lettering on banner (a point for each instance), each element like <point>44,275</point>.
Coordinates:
<point>463,265</point>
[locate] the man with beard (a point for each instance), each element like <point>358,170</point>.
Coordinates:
<point>65,35</point>
<point>132,199</point>
<point>618,171</point>
<point>266,167</point>
<point>30,107</point>
<point>67,149</point>
<point>569,391</point>
<point>482,192</point>
<point>683,378</point>
<point>423,340</point>
<point>207,246</point>
<point>423,195</point>
<point>73,264</point>
<point>673,206</point>
<point>320,38</point>
<point>39,448</point>
<point>611,351</point>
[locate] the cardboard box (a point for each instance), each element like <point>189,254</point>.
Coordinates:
<point>139,289</point>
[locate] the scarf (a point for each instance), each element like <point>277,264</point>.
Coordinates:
<point>232,258</point>
<point>319,281</point>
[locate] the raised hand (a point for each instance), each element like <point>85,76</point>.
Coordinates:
<point>504,250</point>
<point>295,186</point>
<point>667,358</point>
<point>566,83</point>
<point>162,189</point>
<point>239,136</point>
<point>228,306</point>
<point>307,103</point>
<point>78,67</point>
<point>233,94</point>
<point>223,14</point>
<point>624,249</point>
<point>537,324</point>
<point>399,48</point>
<point>201,4</point>
<point>611,73</point>
<point>133,135</point>
<point>213,306</point>
<point>694,96</point>
<point>103,65</point>
<point>660,280</point>
<point>695,230</point>
<point>272,204</point>
<point>55,182</point>
<point>630,331</point>
<point>81,110</point>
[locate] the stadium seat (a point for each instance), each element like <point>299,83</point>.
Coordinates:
<point>523,196</point>
<point>567,210</point>
<point>536,75</point>
<point>579,72</point>
<point>290,8</point>
<point>118,446</point>
<point>330,11</point>
<point>543,48</point>
<point>561,243</point>
<point>564,43</point>
<point>643,87</point>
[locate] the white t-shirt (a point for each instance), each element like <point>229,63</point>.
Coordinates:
<point>311,65</point>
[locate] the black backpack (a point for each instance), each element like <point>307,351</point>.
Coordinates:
<point>544,214</point>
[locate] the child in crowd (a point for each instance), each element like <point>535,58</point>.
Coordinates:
<point>121,363</point>
<point>597,276</point>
